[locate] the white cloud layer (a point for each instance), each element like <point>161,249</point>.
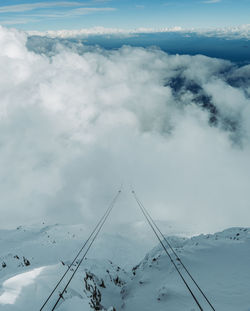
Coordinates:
<point>75,124</point>
<point>237,32</point>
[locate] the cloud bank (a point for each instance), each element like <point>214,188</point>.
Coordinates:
<point>237,32</point>
<point>77,122</point>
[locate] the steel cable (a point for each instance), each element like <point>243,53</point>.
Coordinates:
<point>177,257</point>
<point>79,264</point>
<point>167,252</point>
<point>111,205</point>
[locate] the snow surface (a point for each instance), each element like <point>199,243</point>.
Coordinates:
<point>33,259</point>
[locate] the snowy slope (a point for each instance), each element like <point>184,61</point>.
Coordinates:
<point>32,259</point>
<point>220,263</point>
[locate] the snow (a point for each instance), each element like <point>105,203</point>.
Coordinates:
<point>219,263</point>
<point>13,286</point>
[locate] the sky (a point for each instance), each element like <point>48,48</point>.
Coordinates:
<point>126,14</point>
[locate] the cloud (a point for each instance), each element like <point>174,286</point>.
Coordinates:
<point>140,6</point>
<point>211,1</point>
<point>73,12</point>
<point>18,21</point>
<point>239,32</point>
<point>76,121</point>
<point>99,31</point>
<point>83,11</point>
<point>36,5</point>
<point>72,9</point>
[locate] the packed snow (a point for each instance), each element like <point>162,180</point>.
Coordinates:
<point>34,258</point>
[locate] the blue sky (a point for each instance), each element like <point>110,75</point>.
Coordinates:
<point>127,14</point>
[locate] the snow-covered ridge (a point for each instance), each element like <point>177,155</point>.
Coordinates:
<point>219,262</point>
<point>237,32</point>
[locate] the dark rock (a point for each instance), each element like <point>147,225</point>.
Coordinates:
<point>26,261</point>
